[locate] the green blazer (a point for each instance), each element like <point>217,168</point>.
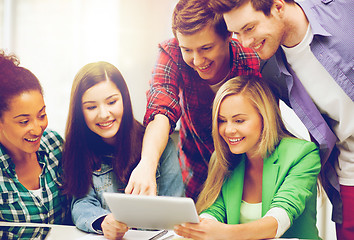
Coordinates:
<point>289,182</point>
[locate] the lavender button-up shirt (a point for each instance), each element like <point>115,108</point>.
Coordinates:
<point>333,45</point>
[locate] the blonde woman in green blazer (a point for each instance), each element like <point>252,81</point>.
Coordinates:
<point>261,180</point>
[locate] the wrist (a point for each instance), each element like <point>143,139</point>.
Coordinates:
<point>148,164</point>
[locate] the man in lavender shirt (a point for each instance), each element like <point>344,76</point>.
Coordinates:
<point>308,48</point>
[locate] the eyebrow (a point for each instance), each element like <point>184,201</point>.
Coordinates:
<point>205,45</point>
<point>236,115</point>
<point>26,115</point>
<point>245,26</point>
<point>113,95</point>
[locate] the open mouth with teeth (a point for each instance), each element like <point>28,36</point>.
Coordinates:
<point>258,46</point>
<point>204,68</point>
<point>32,139</point>
<point>235,140</point>
<point>105,124</point>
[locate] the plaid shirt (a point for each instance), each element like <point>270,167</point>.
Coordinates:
<point>17,204</point>
<point>178,92</point>
<point>23,232</point>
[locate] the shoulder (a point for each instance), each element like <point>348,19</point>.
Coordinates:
<point>295,155</point>
<point>240,51</point>
<point>244,58</point>
<point>51,141</point>
<point>296,145</point>
<point>170,46</point>
<point>52,138</point>
<point>328,6</point>
<point>170,54</point>
<point>51,150</point>
<point>294,149</point>
<point>325,14</point>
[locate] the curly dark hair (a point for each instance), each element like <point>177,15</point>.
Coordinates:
<point>14,80</point>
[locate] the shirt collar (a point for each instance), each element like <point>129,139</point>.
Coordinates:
<point>5,160</point>
<point>316,27</point>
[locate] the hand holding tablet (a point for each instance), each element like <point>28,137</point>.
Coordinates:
<point>151,212</point>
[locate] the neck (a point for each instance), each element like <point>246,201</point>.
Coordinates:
<point>296,24</point>
<point>18,156</point>
<point>224,72</point>
<point>23,159</point>
<point>254,161</point>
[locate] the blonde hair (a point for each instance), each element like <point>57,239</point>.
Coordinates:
<point>261,97</point>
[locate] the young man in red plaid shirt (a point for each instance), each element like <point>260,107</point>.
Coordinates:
<point>189,70</point>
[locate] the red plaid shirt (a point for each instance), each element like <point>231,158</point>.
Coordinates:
<point>178,92</point>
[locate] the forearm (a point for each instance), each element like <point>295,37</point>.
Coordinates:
<point>263,228</point>
<point>155,140</point>
<point>85,211</point>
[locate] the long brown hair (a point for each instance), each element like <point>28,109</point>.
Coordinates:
<point>83,148</point>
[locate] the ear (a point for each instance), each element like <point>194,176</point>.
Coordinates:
<point>278,6</point>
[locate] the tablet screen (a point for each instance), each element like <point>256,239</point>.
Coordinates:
<point>23,232</point>
<point>151,212</point>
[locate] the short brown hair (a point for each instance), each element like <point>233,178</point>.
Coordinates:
<point>224,6</point>
<point>191,16</point>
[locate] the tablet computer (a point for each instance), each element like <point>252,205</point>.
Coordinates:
<point>151,212</point>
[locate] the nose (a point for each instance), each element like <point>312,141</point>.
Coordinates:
<point>244,40</point>
<point>198,59</point>
<point>36,128</point>
<point>103,112</point>
<point>230,129</point>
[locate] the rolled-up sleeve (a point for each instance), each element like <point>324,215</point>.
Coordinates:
<point>85,211</point>
<point>163,95</point>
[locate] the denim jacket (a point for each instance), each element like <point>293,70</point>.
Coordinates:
<point>85,211</point>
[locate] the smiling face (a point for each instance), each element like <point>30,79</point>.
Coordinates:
<point>240,124</point>
<point>207,53</point>
<point>22,125</point>
<point>256,30</point>
<point>102,107</point>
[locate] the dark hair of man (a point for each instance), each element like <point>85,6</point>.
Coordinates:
<point>83,149</point>
<point>191,16</point>
<point>224,6</point>
<point>14,80</point>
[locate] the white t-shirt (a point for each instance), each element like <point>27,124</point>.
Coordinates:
<point>37,193</point>
<point>330,99</point>
<point>250,212</point>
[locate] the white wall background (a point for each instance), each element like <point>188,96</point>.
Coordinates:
<point>55,38</point>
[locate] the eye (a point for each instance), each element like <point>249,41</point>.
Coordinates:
<point>206,48</point>
<point>90,107</point>
<point>248,29</point>
<point>186,50</point>
<point>221,120</point>
<point>240,121</point>
<point>43,115</point>
<point>112,102</point>
<point>24,122</point>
